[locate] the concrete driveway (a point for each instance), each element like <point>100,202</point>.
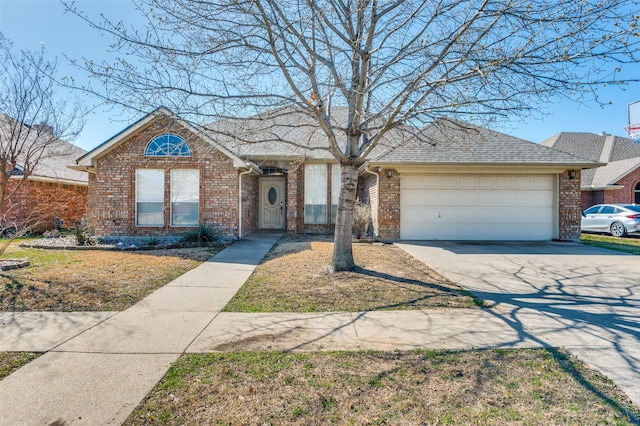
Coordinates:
<point>581,298</point>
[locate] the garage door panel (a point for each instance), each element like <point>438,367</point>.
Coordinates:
<point>412,182</point>
<point>477,207</point>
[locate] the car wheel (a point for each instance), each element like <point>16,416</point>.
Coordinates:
<point>618,229</point>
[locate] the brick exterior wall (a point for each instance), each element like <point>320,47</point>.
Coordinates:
<point>250,197</point>
<point>295,200</point>
<point>569,206</point>
<point>589,198</point>
<point>389,213</point>
<point>111,208</point>
<point>46,205</point>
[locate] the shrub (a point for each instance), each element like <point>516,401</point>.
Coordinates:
<point>82,234</point>
<point>361,219</point>
<point>201,234</point>
<point>152,241</point>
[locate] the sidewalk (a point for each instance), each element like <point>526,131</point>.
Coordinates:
<point>99,366</point>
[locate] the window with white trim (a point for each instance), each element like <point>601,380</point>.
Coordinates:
<point>336,177</point>
<point>149,197</point>
<point>636,198</point>
<point>185,197</point>
<point>315,193</point>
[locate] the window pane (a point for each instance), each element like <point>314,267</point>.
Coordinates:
<point>185,185</point>
<point>149,197</point>
<point>315,213</point>
<point>315,193</point>
<point>184,214</point>
<point>335,190</point>
<point>185,197</point>
<point>150,214</point>
<point>592,210</point>
<point>149,185</point>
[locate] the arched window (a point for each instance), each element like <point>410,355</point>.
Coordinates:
<point>167,145</point>
<point>636,199</point>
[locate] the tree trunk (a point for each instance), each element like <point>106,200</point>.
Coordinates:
<point>342,259</point>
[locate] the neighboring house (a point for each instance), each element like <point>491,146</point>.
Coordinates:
<point>618,181</point>
<point>162,175</point>
<point>53,196</point>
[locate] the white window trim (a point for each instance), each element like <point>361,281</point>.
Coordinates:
<point>158,225</point>
<point>190,202</point>
<point>307,187</point>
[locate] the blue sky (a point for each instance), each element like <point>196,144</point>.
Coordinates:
<point>31,23</point>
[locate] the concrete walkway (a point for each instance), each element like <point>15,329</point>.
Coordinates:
<point>99,366</point>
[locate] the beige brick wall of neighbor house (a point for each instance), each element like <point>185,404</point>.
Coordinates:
<point>111,209</point>
<point>45,203</point>
<point>569,206</point>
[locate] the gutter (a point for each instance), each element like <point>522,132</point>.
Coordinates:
<point>35,178</point>
<point>600,188</point>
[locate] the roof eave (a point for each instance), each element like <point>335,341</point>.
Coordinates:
<point>391,164</point>
<point>53,180</point>
<point>600,187</point>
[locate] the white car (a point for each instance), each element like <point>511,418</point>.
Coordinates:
<point>615,219</point>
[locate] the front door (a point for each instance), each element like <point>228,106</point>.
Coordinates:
<point>272,208</point>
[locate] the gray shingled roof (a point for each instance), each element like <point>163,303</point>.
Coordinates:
<point>445,142</point>
<point>622,155</point>
<point>53,163</point>
<point>55,166</point>
<point>585,145</point>
<point>281,134</point>
<point>612,172</point>
<point>289,133</point>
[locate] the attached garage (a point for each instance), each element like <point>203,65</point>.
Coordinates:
<point>457,181</point>
<point>477,206</point>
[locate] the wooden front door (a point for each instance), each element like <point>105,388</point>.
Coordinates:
<point>272,203</point>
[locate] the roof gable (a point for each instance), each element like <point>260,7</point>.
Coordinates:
<point>89,160</point>
<point>610,174</point>
<point>603,148</point>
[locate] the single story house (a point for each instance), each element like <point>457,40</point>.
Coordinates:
<point>618,181</point>
<point>52,196</point>
<point>163,175</point>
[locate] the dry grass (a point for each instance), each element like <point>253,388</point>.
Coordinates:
<point>11,361</point>
<point>404,388</point>
<point>59,280</point>
<point>293,278</point>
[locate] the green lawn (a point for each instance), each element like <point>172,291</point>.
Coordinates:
<point>627,244</point>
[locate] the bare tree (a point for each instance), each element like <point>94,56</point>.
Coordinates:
<point>33,123</point>
<point>391,63</point>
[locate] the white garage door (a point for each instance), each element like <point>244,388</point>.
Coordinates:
<point>477,207</point>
